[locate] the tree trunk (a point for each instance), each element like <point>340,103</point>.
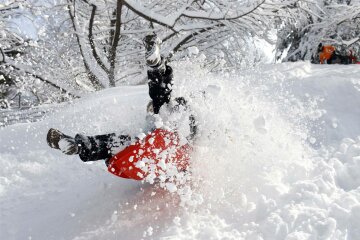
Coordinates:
<point>114,43</point>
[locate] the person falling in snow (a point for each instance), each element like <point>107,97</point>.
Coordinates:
<point>103,147</point>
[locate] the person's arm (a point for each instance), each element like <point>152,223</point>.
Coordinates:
<point>192,121</point>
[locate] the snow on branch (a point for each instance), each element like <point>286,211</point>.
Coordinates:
<point>3,9</point>
<point>30,71</point>
<point>351,41</point>
<point>92,74</point>
<point>347,43</point>
<point>217,17</point>
<point>149,15</point>
<point>171,20</point>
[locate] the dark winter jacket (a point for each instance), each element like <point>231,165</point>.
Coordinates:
<point>160,84</point>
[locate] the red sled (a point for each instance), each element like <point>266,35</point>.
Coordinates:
<point>159,152</point>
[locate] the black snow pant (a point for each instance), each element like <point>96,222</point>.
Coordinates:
<point>93,148</point>
<point>100,147</point>
<point>160,86</point>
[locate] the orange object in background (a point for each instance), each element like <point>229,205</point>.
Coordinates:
<point>151,156</point>
<point>326,53</point>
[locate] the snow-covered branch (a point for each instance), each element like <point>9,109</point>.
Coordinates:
<point>41,78</point>
<point>218,17</point>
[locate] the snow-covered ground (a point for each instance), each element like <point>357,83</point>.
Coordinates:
<point>278,157</point>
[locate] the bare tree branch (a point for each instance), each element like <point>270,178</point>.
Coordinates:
<point>3,9</point>
<point>3,55</point>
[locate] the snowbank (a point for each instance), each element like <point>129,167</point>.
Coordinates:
<point>277,157</point>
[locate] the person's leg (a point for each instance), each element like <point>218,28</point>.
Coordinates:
<point>62,142</point>
<point>158,102</point>
<point>152,50</point>
<point>160,74</point>
<point>93,148</point>
<point>89,148</point>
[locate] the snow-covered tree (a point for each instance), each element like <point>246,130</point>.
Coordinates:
<point>324,21</point>
<point>109,32</point>
<point>23,66</point>
<point>87,45</point>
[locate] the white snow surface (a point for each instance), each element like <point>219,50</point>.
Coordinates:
<point>277,157</point>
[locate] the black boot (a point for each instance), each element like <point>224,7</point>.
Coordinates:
<point>65,143</point>
<point>152,52</point>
